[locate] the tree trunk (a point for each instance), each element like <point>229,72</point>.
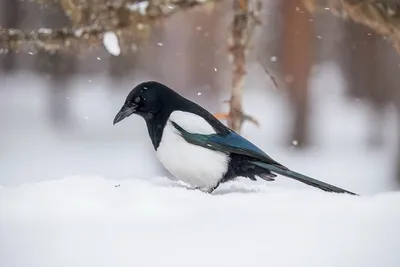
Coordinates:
<point>297,57</point>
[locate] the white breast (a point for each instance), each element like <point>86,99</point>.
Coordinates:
<point>194,165</point>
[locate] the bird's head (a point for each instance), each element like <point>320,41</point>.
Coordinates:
<point>144,100</point>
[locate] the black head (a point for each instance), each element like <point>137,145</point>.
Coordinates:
<point>146,100</point>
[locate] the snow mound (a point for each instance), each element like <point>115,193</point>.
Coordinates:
<point>92,221</point>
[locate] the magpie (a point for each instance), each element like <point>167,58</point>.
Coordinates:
<point>196,147</point>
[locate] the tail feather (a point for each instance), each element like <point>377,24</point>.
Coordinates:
<point>302,178</point>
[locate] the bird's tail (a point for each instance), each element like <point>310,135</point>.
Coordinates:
<point>302,178</point>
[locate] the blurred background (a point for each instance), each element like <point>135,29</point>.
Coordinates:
<point>323,89</point>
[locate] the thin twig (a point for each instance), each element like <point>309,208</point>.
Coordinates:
<point>270,76</point>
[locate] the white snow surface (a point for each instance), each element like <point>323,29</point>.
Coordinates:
<point>92,221</point>
<point>110,42</point>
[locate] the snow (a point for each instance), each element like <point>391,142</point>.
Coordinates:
<point>93,221</point>
<point>140,6</point>
<point>78,32</point>
<point>45,30</point>
<point>110,41</point>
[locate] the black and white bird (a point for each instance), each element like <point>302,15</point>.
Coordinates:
<point>196,147</point>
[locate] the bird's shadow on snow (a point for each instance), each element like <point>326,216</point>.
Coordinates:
<point>225,191</point>
<point>221,190</point>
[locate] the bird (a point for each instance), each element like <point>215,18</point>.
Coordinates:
<point>197,148</point>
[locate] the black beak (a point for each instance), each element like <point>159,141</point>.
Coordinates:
<point>124,113</point>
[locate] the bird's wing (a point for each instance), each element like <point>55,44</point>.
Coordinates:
<point>234,143</point>
<point>227,143</point>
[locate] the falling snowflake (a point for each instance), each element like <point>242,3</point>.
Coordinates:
<point>110,42</point>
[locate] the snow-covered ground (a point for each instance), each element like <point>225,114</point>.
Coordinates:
<point>94,194</point>
<point>87,221</point>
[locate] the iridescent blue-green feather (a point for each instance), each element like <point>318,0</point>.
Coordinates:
<point>234,143</point>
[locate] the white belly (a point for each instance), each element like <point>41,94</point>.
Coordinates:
<point>194,165</point>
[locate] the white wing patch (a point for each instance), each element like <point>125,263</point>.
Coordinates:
<point>191,122</point>
<point>194,165</point>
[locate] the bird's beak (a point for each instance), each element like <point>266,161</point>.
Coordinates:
<point>124,113</point>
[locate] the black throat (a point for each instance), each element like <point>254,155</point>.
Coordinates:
<point>156,125</point>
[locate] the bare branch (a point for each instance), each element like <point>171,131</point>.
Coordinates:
<point>90,19</point>
<point>381,16</point>
<point>48,39</point>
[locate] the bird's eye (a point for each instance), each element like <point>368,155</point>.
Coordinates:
<point>137,100</point>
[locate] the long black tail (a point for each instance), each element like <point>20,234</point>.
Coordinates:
<point>302,178</point>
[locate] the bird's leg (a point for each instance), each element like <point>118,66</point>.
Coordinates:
<point>208,190</point>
